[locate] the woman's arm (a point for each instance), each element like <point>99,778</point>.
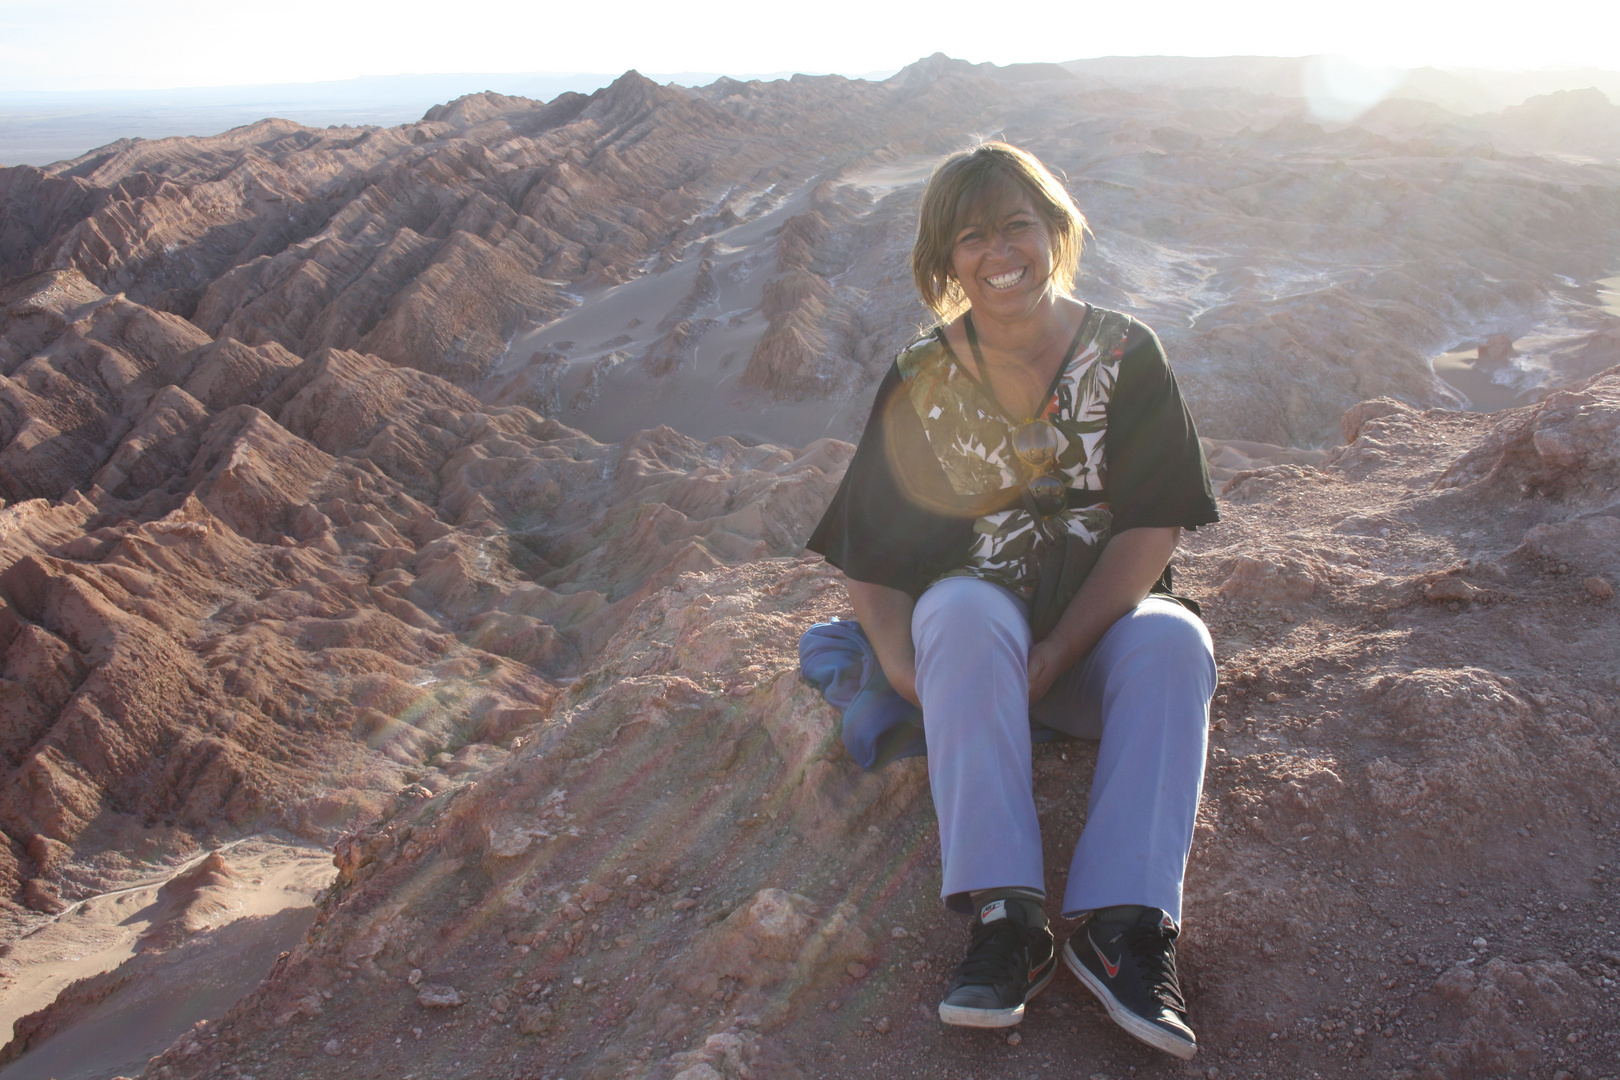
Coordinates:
<point>1125,572</point>
<point>885,615</point>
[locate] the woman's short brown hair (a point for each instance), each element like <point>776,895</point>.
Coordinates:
<point>969,182</point>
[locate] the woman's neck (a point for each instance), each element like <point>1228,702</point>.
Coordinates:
<point>1031,337</point>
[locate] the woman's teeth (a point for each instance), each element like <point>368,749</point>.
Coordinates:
<point>1003,281</point>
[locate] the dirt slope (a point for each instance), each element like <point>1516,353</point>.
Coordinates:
<point>1402,864</point>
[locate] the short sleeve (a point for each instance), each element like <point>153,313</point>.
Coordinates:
<point>885,525</point>
<point>1156,473</point>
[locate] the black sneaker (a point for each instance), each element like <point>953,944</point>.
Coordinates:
<point>1126,956</point>
<point>1010,959</point>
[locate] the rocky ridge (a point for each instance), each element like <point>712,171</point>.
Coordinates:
<point>232,605</point>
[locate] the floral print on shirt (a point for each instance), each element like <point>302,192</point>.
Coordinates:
<point>973,441</point>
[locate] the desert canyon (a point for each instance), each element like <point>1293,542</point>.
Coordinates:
<point>401,574</point>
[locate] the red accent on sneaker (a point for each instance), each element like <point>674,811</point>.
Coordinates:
<point>1112,969</point>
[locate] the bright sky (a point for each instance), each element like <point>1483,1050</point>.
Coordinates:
<point>119,44</point>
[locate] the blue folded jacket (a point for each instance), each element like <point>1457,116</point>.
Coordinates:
<point>879,724</point>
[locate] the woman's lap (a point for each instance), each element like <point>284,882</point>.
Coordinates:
<point>1152,673</point>
<point>966,620</point>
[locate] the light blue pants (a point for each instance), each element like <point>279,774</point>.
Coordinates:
<point>1143,692</point>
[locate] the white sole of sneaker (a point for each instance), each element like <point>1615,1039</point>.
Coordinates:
<point>958,1016</point>
<point>1133,1025</point>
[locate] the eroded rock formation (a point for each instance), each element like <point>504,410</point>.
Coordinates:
<point>213,606</point>
<point>745,242</point>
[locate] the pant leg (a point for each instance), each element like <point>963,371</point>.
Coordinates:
<point>972,640</point>
<point>1144,691</point>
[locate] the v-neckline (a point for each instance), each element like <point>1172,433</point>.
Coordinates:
<point>983,383</point>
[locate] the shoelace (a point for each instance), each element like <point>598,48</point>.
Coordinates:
<point>1155,952</point>
<point>995,954</point>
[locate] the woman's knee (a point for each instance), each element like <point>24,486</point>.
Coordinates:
<point>1161,636</point>
<point>968,609</point>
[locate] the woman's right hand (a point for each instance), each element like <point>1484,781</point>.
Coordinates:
<point>904,683</point>
<point>885,616</point>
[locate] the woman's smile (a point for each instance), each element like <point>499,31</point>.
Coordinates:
<point>1006,280</point>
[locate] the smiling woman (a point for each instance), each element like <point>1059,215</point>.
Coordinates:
<point>1005,529</point>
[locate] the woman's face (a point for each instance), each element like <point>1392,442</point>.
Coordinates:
<point>1003,257</point>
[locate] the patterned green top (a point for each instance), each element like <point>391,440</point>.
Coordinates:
<point>972,439</point>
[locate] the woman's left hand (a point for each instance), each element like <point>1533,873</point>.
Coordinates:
<point>1045,665</point>
<point>1127,568</point>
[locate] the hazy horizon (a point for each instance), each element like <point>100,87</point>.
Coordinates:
<point>99,44</point>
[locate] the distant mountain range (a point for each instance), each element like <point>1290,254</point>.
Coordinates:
<point>40,127</point>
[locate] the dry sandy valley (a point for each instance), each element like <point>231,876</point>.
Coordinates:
<point>401,571</point>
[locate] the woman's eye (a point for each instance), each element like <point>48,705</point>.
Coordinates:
<point>1015,227</point>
